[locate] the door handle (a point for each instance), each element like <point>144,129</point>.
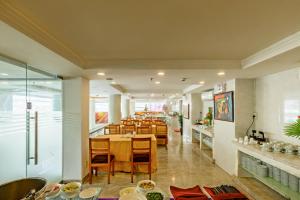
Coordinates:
<point>36,135</point>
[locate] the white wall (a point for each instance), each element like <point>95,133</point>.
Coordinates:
<point>277,99</point>
<point>225,132</point>
<point>75,128</point>
<point>195,102</point>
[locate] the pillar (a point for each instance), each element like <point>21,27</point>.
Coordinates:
<point>114,114</point>
<point>180,107</point>
<point>75,128</point>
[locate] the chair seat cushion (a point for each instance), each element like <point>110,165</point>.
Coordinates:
<point>162,136</point>
<point>102,158</point>
<point>141,158</point>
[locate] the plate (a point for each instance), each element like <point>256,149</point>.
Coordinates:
<point>127,190</point>
<point>88,193</point>
<point>52,190</point>
<point>133,196</point>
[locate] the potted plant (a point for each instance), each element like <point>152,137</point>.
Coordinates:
<point>293,129</point>
<point>180,119</point>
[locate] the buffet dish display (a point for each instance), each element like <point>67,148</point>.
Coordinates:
<point>145,190</point>
<point>72,190</point>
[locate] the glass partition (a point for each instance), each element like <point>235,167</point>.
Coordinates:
<point>30,123</point>
<point>12,121</point>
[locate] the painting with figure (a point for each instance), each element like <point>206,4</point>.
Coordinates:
<point>223,106</point>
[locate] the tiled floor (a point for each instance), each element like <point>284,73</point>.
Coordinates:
<point>181,165</point>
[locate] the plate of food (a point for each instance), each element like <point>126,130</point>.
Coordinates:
<point>71,190</point>
<point>133,196</point>
<point>155,195</point>
<point>127,190</point>
<point>88,193</point>
<point>145,186</point>
<point>52,190</point>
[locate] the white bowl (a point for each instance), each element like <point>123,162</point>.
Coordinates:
<point>146,188</point>
<point>71,190</point>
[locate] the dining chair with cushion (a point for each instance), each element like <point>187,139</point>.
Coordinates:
<point>100,156</point>
<point>140,154</point>
<point>162,134</point>
<point>128,129</point>
<point>144,130</point>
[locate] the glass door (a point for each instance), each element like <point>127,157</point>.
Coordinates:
<point>12,120</point>
<point>44,125</point>
<point>30,123</point>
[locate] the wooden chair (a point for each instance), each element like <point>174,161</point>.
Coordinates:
<point>146,123</point>
<point>140,154</point>
<point>113,129</point>
<point>143,130</point>
<point>128,129</point>
<point>100,156</point>
<point>162,134</point>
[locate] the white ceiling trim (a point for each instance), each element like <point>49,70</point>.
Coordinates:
<point>163,64</point>
<point>280,47</point>
<point>18,20</point>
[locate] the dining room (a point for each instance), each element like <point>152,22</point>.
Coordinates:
<point>149,100</point>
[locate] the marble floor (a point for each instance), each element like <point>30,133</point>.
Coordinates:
<point>181,165</point>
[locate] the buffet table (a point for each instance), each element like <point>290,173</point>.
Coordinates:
<point>120,146</point>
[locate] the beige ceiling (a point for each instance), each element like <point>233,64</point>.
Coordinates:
<point>108,32</point>
<point>133,39</point>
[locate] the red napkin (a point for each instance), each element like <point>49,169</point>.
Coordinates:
<point>194,193</point>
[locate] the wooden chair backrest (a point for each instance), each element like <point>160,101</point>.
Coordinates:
<point>128,129</point>
<point>114,129</point>
<point>141,145</point>
<point>161,129</point>
<point>99,146</point>
<point>143,130</point>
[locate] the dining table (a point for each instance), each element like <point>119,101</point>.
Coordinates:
<point>120,147</point>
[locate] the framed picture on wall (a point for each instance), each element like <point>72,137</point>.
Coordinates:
<point>186,111</point>
<point>223,106</point>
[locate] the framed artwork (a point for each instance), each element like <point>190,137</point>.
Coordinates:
<point>101,117</point>
<point>186,111</point>
<point>223,106</point>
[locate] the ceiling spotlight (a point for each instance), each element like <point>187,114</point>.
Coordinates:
<point>3,74</point>
<point>161,73</point>
<point>152,95</point>
<point>221,73</point>
<point>101,74</point>
<point>4,82</point>
<point>113,82</point>
<point>183,79</point>
<point>201,82</point>
<point>157,82</point>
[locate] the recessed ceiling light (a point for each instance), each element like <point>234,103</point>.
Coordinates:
<point>101,74</point>
<point>161,73</point>
<point>201,82</point>
<point>48,82</point>
<point>3,74</point>
<point>113,82</point>
<point>157,82</point>
<point>152,95</point>
<point>4,82</point>
<point>221,73</point>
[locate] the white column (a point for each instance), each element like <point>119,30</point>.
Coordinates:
<point>92,113</point>
<point>127,107</point>
<point>180,107</point>
<point>114,114</point>
<point>75,128</point>
<point>131,107</point>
